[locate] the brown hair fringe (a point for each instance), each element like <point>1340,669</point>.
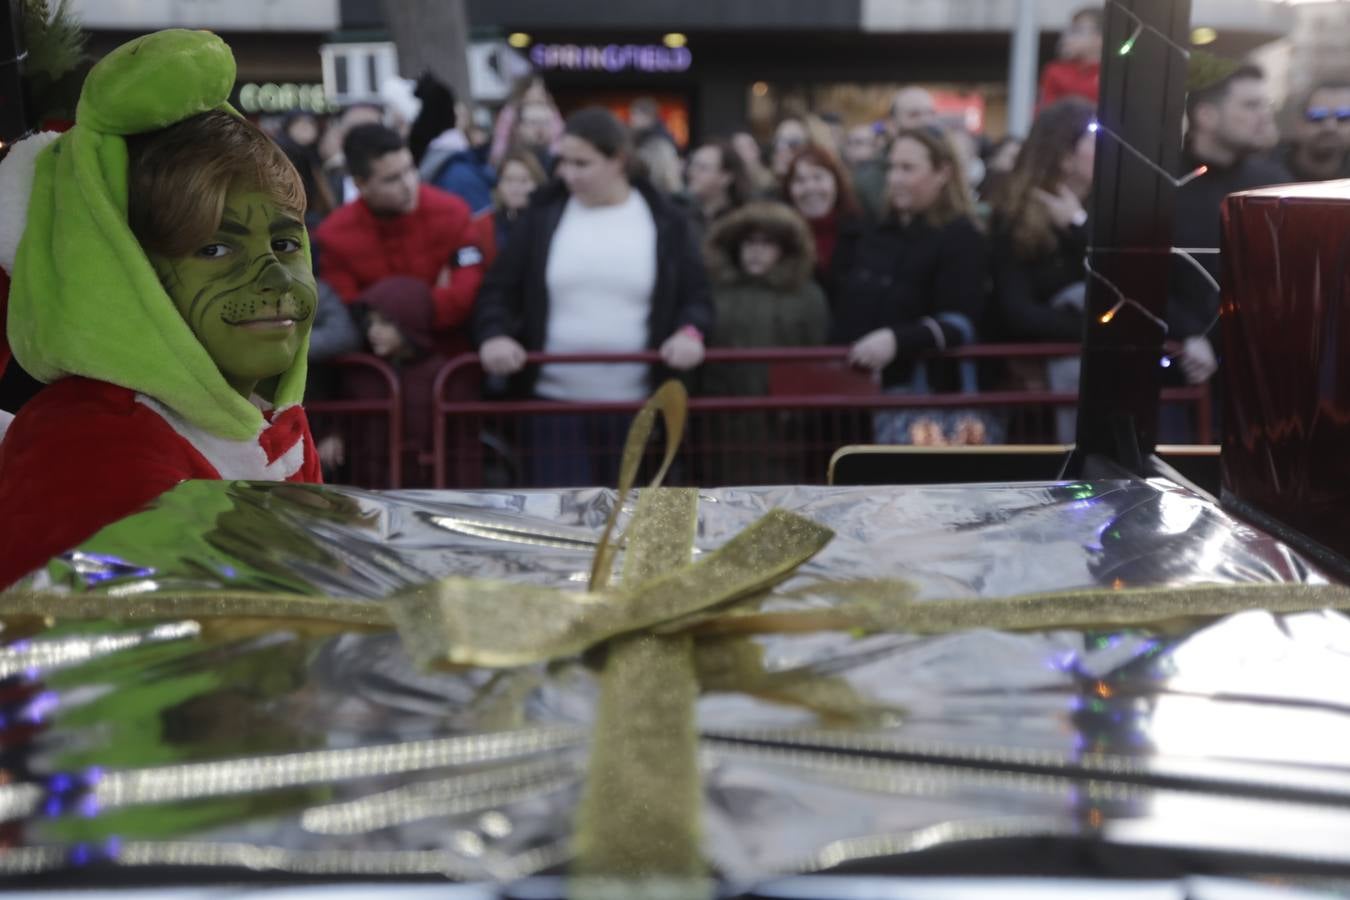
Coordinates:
<point>178,177</point>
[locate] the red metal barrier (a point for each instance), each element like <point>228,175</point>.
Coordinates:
<point>788,432</point>
<point>350,419</point>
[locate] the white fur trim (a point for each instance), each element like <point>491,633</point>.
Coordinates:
<point>232,460</point>
<point>5,419</point>
<point>16,184</point>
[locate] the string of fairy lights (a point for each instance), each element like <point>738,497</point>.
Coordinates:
<point>1186,253</point>
<point>1140,26</point>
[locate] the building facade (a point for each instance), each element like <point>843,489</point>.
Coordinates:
<point>713,65</point>
<point>746,62</point>
<point>276,44</point>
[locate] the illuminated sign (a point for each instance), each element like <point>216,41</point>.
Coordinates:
<point>278,98</point>
<point>611,57</point>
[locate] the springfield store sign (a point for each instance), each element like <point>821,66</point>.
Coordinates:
<point>611,57</point>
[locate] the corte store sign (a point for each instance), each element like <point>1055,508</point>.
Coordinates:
<point>611,57</point>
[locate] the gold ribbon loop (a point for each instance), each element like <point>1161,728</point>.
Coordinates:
<point>671,401</point>
<point>468,621</point>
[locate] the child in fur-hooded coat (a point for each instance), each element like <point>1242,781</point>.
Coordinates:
<point>760,261</point>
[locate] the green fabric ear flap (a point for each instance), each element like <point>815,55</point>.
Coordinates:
<point>84,299</point>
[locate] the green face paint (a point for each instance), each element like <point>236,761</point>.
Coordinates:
<point>248,294</point>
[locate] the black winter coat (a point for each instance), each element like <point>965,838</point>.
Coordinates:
<point>1023,288</point>
<point>833,276</point>
<point>920,281</point>
<point>513,300</point>
<point>1194,304</point>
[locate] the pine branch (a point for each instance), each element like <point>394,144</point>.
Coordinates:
<point>54,39</point>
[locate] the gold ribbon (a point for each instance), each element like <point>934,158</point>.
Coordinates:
<point>645,735</point>
<point>640,814</point>
<point>866,606</point>
<point>1159,609</point>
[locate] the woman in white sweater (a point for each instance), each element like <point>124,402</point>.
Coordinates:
<point>598,263</point>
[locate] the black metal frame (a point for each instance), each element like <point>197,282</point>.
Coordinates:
<point>12,121</point>
<point>1142,103</point>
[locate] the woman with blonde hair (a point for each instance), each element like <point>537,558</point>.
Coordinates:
<point>529,90</point>
<point>517,178</point>
<point>917,281</point>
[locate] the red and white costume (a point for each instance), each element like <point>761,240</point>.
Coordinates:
<point>84,453</point>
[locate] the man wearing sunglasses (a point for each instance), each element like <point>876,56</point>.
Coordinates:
<point>1320,149</point>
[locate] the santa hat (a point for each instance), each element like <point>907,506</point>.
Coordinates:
<point>16,182</point>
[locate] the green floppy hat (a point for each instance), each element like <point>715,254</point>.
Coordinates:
<point>84,298</point>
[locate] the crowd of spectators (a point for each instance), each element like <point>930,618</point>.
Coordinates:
<point>892,237</point>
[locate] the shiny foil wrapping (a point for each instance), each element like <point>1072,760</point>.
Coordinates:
<point>1286,357</point>
<point>187,744</point>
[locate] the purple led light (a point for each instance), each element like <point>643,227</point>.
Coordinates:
<point>1064,662</point>
<point>41,706</point>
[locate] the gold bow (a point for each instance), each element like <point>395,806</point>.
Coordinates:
<point>469,621</point>
<point>639,816</point>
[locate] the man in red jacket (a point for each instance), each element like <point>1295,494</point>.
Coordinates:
<point>400,228</point>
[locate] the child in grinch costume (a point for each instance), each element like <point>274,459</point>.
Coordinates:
<point>161,288</point>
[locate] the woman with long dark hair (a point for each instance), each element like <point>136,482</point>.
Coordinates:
<point>1040,241</point>
<point>599,262</point>
<point>1040,227</point>
<point>717,183</point>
